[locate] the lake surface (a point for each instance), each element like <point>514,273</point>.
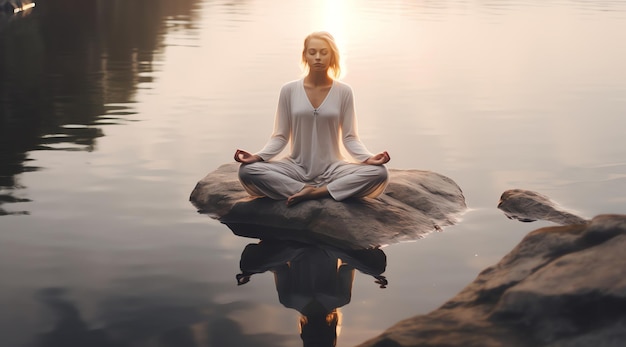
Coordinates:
<point>111,111</point>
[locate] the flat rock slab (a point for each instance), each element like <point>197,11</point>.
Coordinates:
<point>414,204</point>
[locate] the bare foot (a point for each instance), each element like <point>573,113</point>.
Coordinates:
<point>307,193</point>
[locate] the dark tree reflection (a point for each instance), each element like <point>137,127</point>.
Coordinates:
<point>65,68</point>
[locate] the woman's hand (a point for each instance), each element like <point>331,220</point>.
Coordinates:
<point>379,159</point>
<point>246,157</point>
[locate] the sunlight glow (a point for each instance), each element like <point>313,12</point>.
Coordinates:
<point>338,18</point>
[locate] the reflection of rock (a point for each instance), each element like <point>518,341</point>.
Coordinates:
<point>528,206</point>
<point>561,286</point>
<point>414,204</point>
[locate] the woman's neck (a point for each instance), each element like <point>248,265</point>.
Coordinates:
<point>318,79</point>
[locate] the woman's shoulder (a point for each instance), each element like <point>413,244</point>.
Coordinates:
<point>342,86</point>
<point>291,85</point>
<point>288,89</point>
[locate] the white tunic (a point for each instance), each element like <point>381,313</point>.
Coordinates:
<point>315,133</point>
<point>315,157</point>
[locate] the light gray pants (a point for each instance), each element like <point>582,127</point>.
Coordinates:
<point>281,179</point>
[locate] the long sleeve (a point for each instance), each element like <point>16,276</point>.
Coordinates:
<point>350,136</point>
<point>282,128</point>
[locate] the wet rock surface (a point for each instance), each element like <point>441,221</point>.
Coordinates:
<point>415,203</point>
<point>561,286</point>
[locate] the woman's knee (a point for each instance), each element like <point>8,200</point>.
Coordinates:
<point>380,173</point>
<point>247,171</point>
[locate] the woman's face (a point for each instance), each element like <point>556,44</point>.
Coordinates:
<point>318,55</point>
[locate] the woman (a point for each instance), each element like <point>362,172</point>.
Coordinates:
<point>314,114</point>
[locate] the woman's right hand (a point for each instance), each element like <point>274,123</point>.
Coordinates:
<point>378,159</point>
<point>245,157</point>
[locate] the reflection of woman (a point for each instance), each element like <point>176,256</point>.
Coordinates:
<point>314,114</point>
<point>314,281</point>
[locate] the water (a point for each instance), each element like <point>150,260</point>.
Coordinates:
<point>112,110</point>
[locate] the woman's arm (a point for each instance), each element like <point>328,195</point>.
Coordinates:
<point>282,126</point>
<point>350,137</point>
<point>279,138</point>
<point>348,123</point>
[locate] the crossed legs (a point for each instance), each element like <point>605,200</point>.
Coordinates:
<point>284,180</point>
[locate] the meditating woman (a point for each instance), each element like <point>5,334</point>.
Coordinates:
<point>314,115</point>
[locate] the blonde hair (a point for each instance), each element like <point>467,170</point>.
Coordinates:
<point>334,69</point>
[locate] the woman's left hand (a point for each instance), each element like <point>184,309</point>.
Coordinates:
<point>245,157</point>
<point>378,159</point>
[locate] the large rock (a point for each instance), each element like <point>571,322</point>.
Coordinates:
<point>561,286</point>
<point>414,204</point>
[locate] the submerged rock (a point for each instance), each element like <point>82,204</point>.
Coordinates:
<point>561,286</point>
<point>414,204</point>
<point>529,206</point>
